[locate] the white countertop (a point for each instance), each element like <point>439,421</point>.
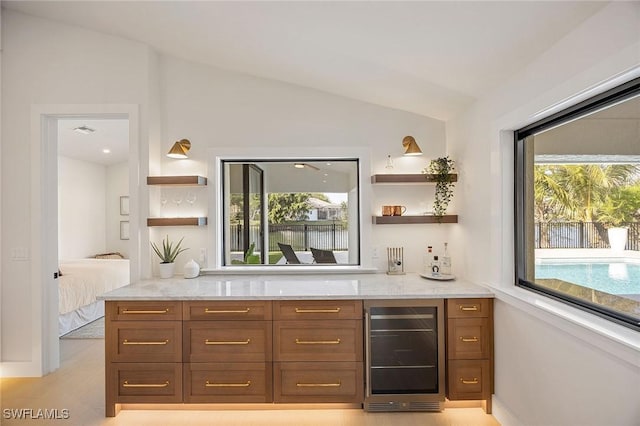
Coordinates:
<point>280,287</point>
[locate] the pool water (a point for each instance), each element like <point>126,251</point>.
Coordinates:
<point>613,278</point>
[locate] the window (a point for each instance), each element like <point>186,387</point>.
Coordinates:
<point>577,192</point>
<point>276,211</point>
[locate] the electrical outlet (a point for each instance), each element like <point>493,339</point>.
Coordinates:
<point>203,255</point>
<point>375,252</point>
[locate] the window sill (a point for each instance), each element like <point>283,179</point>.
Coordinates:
<point>615,339</point>
<point>288,269</point>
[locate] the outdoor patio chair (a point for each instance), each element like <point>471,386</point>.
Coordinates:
<point>289,254</point>
<point>323,256</point>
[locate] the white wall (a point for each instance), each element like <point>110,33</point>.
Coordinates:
<point>47,63</point>
<point>82,195</point>
<point>117,185</point>
<point>214,109</point>
<point>548,369</point>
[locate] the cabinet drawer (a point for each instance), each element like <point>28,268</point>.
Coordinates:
<point>239,310</point>
<point>228,382</point>
<point>147,382</point>
<point>137,341</point>
<point>468,338</point>
<point>469,308</point>
<point>143,311</point>
<point>468,379</point>
<point>317,309</point>
<point>333,340</point>
<point>227,341</point>
<point>318,382</point>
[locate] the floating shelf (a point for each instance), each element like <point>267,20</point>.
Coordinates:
<point>393,220</point>
<point>409,178</point>
<point>177,180</point>
<point>176,221</point>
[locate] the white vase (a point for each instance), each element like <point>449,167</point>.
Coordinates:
<point>191,269</point>
<point>166,270</point>
<point>617,238</point>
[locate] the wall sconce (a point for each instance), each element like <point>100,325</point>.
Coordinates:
<point>411,146</point>
<point>179,149</point>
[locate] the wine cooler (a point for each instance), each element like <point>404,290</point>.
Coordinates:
<point>404,355</point>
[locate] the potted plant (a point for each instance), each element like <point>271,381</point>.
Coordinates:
<point>168,255</point>
<point>441,169</point>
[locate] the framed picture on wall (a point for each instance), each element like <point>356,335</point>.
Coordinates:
<point>124,205</point>
<point>124,229</point>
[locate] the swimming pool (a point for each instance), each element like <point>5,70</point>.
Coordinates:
<point>613,278</point>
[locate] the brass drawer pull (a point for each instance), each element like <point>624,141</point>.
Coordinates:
<point>317,311</point>
<point>227,385</point>
<point>238,311</point>
<point>317,342</point>
<point>223,342</point>
<point>163,311</point>
<point>162,342</point>
<point>469,308</point>
<point>126,384</point>
<point>475,381</point>
<point>469,339</point>
<point>318,385</point>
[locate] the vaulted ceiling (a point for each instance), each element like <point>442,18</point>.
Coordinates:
<point>431,58</point>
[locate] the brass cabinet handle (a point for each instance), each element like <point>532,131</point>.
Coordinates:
<point>162,342</point>
<point>469,308</point>
<point>227,385</point>
<point>469,339</point>
<point>223,342</point>
<point>317,342</point>
<point>318,385</point>
<point>317,311</point>
<point>217,311</point>
<point>126,384</point>
<point>163,311</point>
<point>475,381</point>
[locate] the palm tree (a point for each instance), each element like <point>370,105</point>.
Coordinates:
<point>578,192</point>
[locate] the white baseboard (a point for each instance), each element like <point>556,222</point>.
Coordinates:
<point>502,414</point>
<point>20,369</point>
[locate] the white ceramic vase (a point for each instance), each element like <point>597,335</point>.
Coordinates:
<point>166,270</point>
<point>617,238</point>
<point>191,269</point>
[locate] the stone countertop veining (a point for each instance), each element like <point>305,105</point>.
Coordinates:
<point>282,287</point>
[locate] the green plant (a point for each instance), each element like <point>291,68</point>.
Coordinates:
<point>441,168</point>
<point>169,252</point>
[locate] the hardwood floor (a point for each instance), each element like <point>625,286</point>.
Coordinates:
<point>78,386</point>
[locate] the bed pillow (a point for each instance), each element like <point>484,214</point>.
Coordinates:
<point>114,255</point>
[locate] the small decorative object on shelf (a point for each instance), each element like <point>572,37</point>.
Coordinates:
<point>168,255</point>
<point>441,169</point>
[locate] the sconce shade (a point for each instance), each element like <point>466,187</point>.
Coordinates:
<point>179,149</point>
<point>411,146</point>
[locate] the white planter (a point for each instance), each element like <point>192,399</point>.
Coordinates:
<point>166,270</point>
<point>617,238</point>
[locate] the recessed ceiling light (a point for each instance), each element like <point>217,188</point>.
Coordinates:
<point>106,151</point>
<point>298,165</point>
<point>85,130</point>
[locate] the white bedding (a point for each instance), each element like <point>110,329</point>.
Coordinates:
<point>84,279</point>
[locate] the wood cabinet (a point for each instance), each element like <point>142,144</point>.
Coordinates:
<point>227,351</point>
<point>318,351</point>
<point>143,353</point>
<point>470,350</point>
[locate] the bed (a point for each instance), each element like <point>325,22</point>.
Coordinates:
<point>81,281</point>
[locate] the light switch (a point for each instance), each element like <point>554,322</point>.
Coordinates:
<point>19,253</point>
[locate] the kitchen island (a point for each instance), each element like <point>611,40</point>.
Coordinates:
<point>278,338</point>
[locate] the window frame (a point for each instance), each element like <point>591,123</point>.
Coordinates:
<point>522,205</point>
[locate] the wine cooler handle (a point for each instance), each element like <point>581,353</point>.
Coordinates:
<point>367,349</point>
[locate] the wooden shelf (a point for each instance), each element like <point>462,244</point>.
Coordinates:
<point>177,180</point>
<point>409,178</point>
<point>394,220</point>
<point>176,221</point>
